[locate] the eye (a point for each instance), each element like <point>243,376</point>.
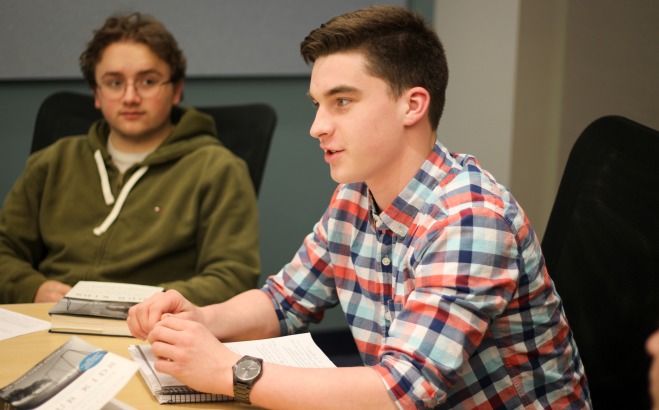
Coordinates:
<point>148,82</point>
<point>114,84</point>
<point>341,102</point>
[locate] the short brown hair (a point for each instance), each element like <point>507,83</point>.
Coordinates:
<point>139,28</point>
<point>398,45</point>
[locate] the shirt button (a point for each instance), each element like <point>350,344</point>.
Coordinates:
<point>387,315</point>
<point>386,261</point>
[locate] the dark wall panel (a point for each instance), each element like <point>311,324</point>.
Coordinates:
<point>42,39</point>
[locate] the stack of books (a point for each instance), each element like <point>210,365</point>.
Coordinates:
<point>98,308</point>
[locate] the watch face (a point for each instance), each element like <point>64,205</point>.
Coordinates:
<point>247,370</point>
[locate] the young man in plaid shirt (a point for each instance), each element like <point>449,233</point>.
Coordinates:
<point>437,269</point>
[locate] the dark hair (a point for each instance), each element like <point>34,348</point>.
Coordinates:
<point>138,28</point>
<point>397,44</point>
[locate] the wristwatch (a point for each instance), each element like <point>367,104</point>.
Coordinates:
<point>246,372</point>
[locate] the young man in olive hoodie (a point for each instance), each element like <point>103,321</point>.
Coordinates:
<point>149,196</point>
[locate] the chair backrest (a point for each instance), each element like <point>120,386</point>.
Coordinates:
<point>601,247</point>
<point>246,130</point>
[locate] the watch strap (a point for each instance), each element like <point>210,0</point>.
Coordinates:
<point>241,392</point>
<point>242,389</point>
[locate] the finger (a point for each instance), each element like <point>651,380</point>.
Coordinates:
<point>163,350</point>
<point>176,323</point>
<point>165,354</point>
<point>51,297</point>
<point>183,316</point>
<point>134,326</point>
<point>147,315</point>
<point>165,332</point>
<point>165,366</point>
<point>62,288</point>
<point>139,319</point>
<point>174,331</point>
<point>153,315</point>
<point>158,305</point>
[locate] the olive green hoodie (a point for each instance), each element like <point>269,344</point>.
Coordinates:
<point>185,218</point>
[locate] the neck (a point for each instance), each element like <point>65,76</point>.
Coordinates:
<point>140,144</point>
<point>389,185</point>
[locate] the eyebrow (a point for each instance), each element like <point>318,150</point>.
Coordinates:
<point>139,74</point>
<point>340,89</point>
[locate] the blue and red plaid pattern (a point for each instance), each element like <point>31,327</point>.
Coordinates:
<point>445,291</point>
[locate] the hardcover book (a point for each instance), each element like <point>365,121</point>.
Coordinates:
<point>99,308</point>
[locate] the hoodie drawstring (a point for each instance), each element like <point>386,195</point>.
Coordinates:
<point>107,193</point>
<point>105,182</point>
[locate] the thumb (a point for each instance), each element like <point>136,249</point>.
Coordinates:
<point>182,315</point>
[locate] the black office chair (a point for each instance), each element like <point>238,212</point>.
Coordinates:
<point>339,345</point>
<point>601,247</point>
<point>246,130</point>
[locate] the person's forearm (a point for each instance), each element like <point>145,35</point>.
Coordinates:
<point>51,291</point>
<point>247,316</point>
<point>19,283</point>
<point>283,387</point>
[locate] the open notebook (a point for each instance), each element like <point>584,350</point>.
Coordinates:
<point>295,350</point>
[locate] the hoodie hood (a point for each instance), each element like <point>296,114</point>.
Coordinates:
<point>192,130</point>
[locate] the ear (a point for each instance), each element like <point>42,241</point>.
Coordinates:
<point>97,102</point>
<point>418,101</point>
<point>178,93</point>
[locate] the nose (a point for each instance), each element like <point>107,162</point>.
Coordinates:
<point>321,125</point>
<point>130,94</point>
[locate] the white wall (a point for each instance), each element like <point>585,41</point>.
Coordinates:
<point>612,64</point>
<point>527,77</point>
<point>480,39</point>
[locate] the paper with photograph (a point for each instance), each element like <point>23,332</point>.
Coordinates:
<point>76,376</point>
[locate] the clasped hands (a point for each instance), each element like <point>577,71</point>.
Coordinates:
<point>180,339</point>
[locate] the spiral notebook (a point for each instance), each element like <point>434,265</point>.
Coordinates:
<point>296,350</point>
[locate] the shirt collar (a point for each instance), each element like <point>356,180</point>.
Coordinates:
<point>419,192</point>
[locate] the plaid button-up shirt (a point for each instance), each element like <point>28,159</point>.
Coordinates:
<point>445,291</point>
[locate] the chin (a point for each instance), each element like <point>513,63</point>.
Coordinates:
<point>344,179</point>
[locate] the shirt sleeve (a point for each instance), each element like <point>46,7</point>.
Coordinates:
<point>305,287</point>
<point>20,241</point>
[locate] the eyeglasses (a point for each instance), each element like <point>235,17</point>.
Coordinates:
<point>145,87</point>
